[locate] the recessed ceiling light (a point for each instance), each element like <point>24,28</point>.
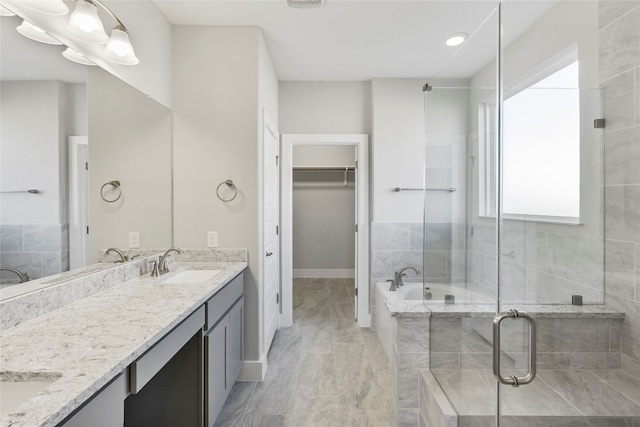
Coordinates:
<point>457,39</point>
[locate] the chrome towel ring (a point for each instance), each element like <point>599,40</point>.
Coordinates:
<point>229,184</point>
<point>116,186</point>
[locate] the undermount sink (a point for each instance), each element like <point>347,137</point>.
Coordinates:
<point>15,393</point>
<point>191,277</point>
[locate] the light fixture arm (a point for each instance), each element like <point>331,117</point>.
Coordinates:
<point>119,24</point>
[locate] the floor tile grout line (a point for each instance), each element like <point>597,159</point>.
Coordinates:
<point>607,382</point>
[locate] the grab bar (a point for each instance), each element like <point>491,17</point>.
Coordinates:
<point>399,189</point>
<point>32,191</point>
<point>514,380</point>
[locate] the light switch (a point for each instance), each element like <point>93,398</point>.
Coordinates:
<point>212,239</point>
<point>134,239</point>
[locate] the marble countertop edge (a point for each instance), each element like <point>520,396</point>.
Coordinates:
<point>79,382</point>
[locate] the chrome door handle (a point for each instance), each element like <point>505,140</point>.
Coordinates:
<point>269,253</point>
<point>514,380</point>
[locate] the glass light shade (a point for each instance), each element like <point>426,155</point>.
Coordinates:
<point>74,56</point>
<point>48,7</point>
<point>84,23</point>
<point>29,30</point>
<point>6,12</point>
<point>119,49</point>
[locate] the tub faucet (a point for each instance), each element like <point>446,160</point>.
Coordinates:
<point>397,281</point>
<point>24,277</point>
<point>162,262</point>
<point>123,257</point>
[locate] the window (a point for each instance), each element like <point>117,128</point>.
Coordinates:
<point>541,150</point>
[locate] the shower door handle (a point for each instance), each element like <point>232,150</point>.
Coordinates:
<point>514,380</point>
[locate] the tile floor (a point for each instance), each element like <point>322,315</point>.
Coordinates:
<point>323,371</point>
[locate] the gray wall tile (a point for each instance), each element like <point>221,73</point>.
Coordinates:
<point>610,10</point>
<point>622,148</point>
<point>620,45</point>
<point>577,258</point>
<point>619,102</point>
<point>620,268</point>
<point>11,238</point>
<point>416,238</point>
<point>622,218</point>
<point>390,236</point>
<point>381,264</point>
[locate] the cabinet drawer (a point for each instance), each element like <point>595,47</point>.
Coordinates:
<point>105,409</point>
<point>143,369</point>
<point>218,305</point>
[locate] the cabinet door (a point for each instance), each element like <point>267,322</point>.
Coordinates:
<point>216,362</point>
<point>236,342</point>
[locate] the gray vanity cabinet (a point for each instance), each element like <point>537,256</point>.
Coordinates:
<point>223,345</point>
<point>105,409</point>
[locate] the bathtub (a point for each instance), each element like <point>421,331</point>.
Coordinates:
<point>413,291</point>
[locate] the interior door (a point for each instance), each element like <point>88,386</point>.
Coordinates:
<point>271,214</point>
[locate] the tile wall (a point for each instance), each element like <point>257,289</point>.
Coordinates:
<point>39,250</point>
<point>620,78</point>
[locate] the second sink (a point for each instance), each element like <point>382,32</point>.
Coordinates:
<point>191,277</point>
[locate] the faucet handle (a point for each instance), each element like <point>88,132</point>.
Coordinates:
<point>154,268</point>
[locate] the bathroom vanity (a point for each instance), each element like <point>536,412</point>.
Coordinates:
<point>149,351</point>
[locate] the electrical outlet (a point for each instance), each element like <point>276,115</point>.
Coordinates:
<point>212,239</point>
<point>134,239</point>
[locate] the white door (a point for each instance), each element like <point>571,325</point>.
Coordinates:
<point>271,215</point>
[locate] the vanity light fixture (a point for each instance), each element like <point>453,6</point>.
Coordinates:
<point>48,7</point>
<point>32,32</point>
<point>29,30</point>
<point>85,24</point>
<point>74,56</point>
<point>6,12</point>
<point>456,39</point>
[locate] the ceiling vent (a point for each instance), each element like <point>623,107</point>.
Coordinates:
<point>306,4</point>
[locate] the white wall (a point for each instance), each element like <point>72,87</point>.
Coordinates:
<point>32,124</point>
<point>325,107</point>
<point>398,157</point>
<point>129,141</point>
<point>222,80</point>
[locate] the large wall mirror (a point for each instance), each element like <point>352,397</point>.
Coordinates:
<point>57,117</point>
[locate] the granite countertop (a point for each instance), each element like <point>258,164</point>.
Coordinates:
<point>418,308</point>
<point>89,342</point>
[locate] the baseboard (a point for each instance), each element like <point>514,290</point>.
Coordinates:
<point>253,370</point>
<point>324,273</point>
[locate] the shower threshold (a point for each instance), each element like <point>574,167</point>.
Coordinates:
<point>558,397</point>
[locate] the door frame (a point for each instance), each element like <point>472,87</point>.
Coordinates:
<point>361,141</point>
<point>79,251</point>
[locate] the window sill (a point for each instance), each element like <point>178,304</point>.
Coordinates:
<point>550,220</point>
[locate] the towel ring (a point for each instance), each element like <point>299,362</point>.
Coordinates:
<point>114,184</point>
<point>229,184</point>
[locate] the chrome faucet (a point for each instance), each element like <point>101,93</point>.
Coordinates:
<point>24,277</point>
<point>397,281</point>
<point>123,257</point>
<point>162,262</point>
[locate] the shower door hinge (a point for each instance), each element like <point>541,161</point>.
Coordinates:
<point>277,160</point>
<point>598,124</point>
<point>277,298</point>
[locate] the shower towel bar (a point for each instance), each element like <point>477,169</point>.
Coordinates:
<point>32,191</point>
<point>399,189</point>
<point>327,169</point>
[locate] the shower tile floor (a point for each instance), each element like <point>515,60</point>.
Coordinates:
<point>323,371</point>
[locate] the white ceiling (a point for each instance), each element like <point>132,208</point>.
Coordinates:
<point>345,40</point>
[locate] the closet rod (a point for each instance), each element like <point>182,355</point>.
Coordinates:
<point>324,169</point>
